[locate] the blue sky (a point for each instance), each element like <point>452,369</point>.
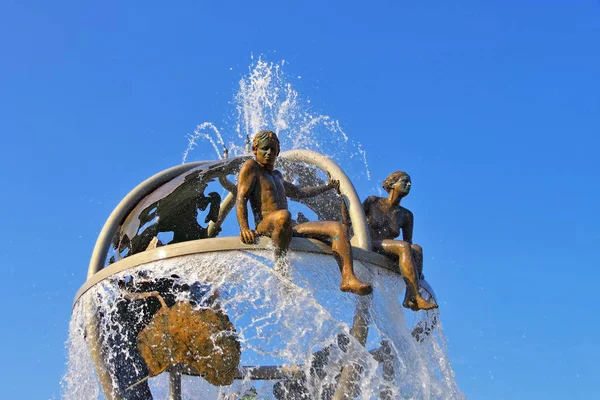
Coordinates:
<point>492,107</point>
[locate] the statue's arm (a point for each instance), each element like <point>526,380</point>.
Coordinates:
<point>407,227</point>
<point>296,192</point>
<point>246,181</point>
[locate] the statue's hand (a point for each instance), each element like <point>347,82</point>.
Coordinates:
<point>334,184</point>
<point>248,236</point>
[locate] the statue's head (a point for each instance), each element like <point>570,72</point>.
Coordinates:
<point>399,180</point>
<point>265,147</point>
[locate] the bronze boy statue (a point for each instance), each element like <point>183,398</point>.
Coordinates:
<point>386,218</point>
<point>267,191</point>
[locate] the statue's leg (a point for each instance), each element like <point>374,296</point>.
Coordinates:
<point>342,251</point>
<point>417,253</point>
<point>412,298</point>
<point>278,226</point>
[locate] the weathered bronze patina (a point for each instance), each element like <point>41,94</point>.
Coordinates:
<point>267,191</point>
<point>386,219</point>
<point>161,332</point>
<point>201,338</point>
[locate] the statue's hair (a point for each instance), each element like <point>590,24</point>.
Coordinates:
<point>262,136</point>
<point>392,179</point>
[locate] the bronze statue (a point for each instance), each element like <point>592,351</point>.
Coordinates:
<point>267,191</point>
<point>386,219</point>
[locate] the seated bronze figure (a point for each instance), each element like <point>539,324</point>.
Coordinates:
<point>267,191</point>
<point>386,219</point>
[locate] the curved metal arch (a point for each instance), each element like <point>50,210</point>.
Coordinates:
<point>357,215</point>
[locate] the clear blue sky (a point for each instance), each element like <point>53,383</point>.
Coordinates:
<point>493,107</point>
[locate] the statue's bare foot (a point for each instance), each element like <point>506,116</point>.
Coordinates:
<point>355,286</point>
<point>417,303</point>
<point>423,304</point>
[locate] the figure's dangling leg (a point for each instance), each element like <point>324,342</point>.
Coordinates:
<point>342,252</point>
<point>412,297</point>
<point>417,254</point>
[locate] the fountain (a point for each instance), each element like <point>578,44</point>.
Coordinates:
<point>176,306</point>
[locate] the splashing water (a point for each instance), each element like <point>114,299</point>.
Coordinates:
<point>300,322</point>
<point>266,99</point>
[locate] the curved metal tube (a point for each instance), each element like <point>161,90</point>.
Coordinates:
<point>357,214</point>
<point>226,206</point>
